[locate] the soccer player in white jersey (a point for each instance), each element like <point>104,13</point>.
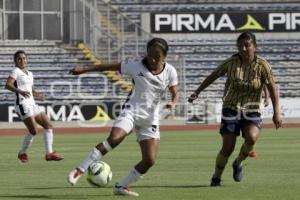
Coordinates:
<point>151,77</point>
<point>20,81</point>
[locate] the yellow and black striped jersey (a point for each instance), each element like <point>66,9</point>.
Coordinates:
<point>245,82</point>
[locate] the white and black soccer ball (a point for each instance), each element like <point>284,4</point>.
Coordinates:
<point>99,174</point>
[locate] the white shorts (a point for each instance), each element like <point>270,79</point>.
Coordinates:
<point>144,130</point>
<point>25,111</point>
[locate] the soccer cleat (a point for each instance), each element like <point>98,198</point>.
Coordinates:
<point>237,171</point>
<point>53,157</point>
<point>252,154</point>
<point>125,191</point>
<point>215,181</point>
<point>74,176</point>
<point>23,157</point>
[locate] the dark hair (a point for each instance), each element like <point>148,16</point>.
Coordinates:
<point>17,54</point>
<point>248,36</point>
<point>160,43</point>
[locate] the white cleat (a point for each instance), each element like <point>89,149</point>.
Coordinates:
<point>120,190</point>
<point>74,176</point>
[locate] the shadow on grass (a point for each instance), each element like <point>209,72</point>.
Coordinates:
<point>170,186</point>
<point>138,186</point>
<point>55,188</point>
<point>52,196</point>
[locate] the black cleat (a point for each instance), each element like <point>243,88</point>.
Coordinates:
<point>215,182</point>
<point>237,171</point>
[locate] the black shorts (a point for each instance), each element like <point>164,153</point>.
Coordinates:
<point>233,121</point>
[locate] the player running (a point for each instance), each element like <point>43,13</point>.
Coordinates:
<point>247,75</point>
<point>151,77</point>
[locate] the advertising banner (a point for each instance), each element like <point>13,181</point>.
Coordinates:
<point>222,22</point>
<point>103,111</point>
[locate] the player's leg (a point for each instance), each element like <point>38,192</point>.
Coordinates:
<point>228,144</point>
<point>149,149</point>
<point>28,139</point>
<point>43,120</point>
<point>229,130</point>
<point>115,138</point>
<point>250,134</point>
<point>121,128</point>
<point>148,137</point>
<point>250,126</point>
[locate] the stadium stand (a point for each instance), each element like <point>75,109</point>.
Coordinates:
<point>50,63</point>
<point>203,55</point>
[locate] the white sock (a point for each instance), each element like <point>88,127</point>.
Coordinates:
<point>48,140</point>
<point>132,177</point>
<point>28,139</point>
<point>94,155</point>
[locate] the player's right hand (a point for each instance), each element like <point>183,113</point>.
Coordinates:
<point>25,94</point>
<point>77,71</point>
<point>193,97</point>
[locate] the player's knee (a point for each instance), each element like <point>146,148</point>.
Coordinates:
<point>149,161</point>
<point>48,126</point>
<point>33,131</point>
<point>115,139</point>
<point>113,142</point>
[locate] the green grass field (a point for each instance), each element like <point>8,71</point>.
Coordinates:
<point>183,169</point>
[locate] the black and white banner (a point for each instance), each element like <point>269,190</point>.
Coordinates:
<point>103,111</point>
<point>225,22</point>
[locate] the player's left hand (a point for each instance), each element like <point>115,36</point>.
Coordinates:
<point>277,121</point>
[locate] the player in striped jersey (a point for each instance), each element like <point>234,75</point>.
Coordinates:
<point>247,74</point>
<point>20,81</point>
<point>266,97</point>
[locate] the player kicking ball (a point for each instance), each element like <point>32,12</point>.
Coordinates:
<point>151,76</point>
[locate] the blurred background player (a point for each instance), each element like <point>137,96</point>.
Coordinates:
<point>20,81</point>
<point>247,75</point>
<point>151,77</point>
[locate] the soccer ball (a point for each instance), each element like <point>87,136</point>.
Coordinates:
<point>99,174</point>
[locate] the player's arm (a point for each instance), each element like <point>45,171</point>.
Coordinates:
<point>11,87</point>
<point>275,101</point>
<point>266,96</point>
<point>100,67</point>
<point>226,89</point>
<point>38,95</point>
<point>174,97</point>
<point>209,80</point>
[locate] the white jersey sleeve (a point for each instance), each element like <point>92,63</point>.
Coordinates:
<point>128,67</point>
<point>14,74</point>
<point>173,77</point>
